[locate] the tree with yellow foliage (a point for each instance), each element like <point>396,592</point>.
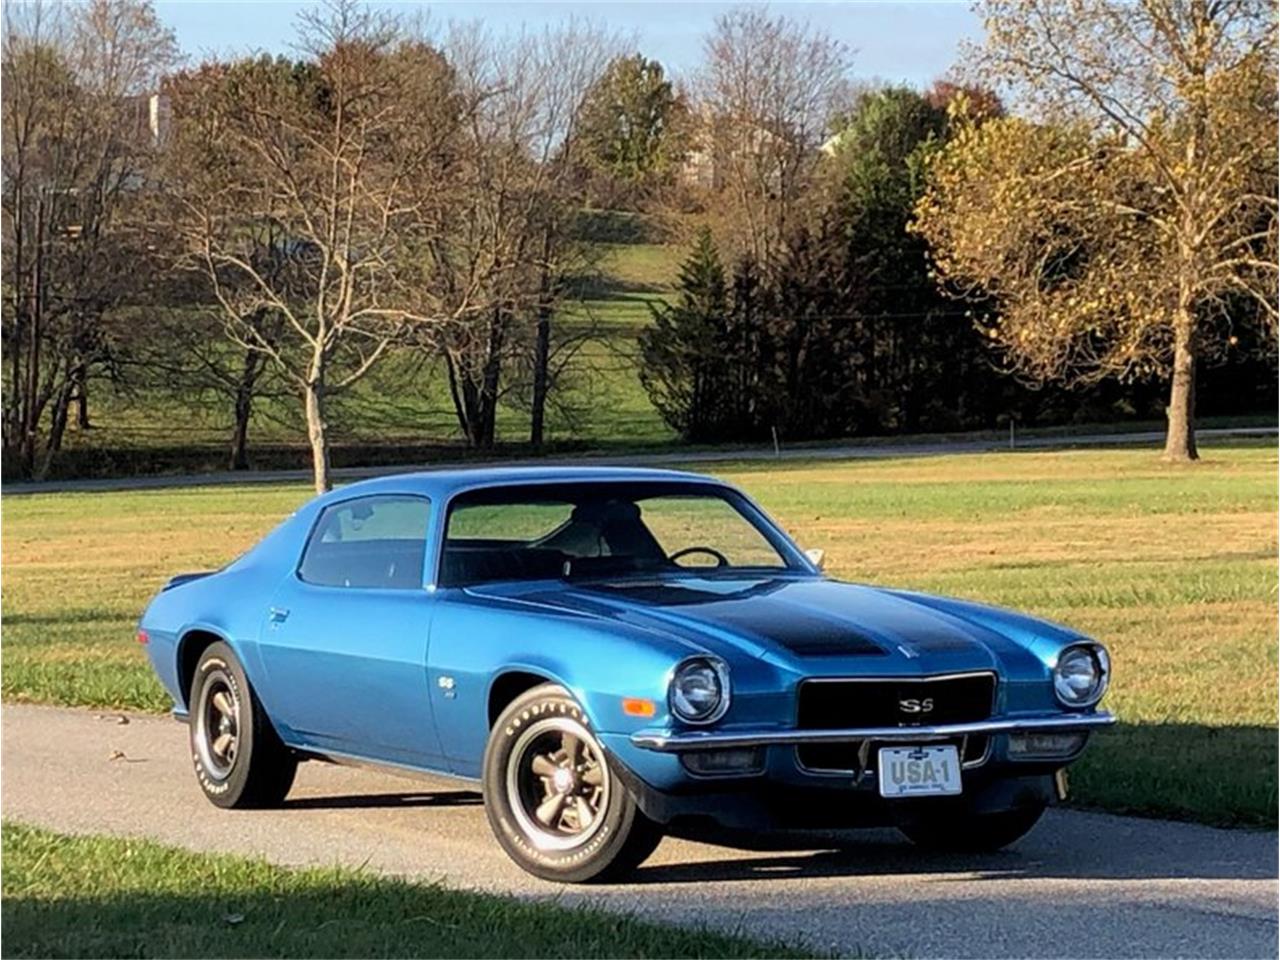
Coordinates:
<point>1127,220</point>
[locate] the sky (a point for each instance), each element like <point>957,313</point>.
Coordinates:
<point>908,41</point>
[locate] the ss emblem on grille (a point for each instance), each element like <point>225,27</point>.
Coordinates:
<point>916,706</point>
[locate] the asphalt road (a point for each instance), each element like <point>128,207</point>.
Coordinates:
<point>1080,885</point>
<point>842,451</point>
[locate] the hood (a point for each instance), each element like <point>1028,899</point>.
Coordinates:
<point>787,619</point>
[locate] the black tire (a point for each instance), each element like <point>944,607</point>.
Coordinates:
<point>973,832</point>
<point>252,769</point>
<point>617,836</point>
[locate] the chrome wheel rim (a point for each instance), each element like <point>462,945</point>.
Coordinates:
<point>558,783</point>
<point>218,724</point>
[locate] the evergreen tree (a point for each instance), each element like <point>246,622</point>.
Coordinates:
<point>683,367</point>
<point>634,125</point>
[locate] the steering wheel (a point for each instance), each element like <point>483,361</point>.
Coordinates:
<point>720,558</point>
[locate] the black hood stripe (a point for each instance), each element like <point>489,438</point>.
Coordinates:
<point>802,633</point>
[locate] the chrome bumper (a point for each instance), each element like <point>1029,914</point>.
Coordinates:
<point>665,741</point>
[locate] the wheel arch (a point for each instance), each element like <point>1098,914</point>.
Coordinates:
<point>510,684</point>
<point>193,642</point>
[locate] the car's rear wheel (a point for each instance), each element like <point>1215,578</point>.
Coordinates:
<point>554,804</point>
<point>239,759</point>
<point>972,832</point>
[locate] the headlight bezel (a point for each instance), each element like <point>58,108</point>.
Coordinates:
<point>1102,661</point>
<point>720,670</point>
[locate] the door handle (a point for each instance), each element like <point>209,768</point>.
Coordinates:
<point>278,614</point>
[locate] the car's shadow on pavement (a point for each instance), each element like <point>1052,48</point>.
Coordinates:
<point>447,798</point>
<point>1114,849</point>
<point>1068,844</point>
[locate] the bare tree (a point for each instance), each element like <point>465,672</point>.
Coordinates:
<point>1171,152</point>
<point>78,141</point>
<point>328,157</point>
<point>504,265</point>
<point>575,57</point>
<point>184,356</point>
<point>764,98</point>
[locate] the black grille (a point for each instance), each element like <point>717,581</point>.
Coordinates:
<point>834,704</point>
<point>827,704</point>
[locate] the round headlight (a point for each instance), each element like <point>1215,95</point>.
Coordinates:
<point>1080,677</point>
<point>700,690</point>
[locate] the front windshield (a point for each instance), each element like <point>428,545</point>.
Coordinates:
<point>586,530</point>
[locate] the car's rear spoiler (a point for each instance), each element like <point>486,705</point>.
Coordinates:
<point>182,578</point>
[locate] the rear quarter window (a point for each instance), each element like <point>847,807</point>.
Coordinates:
<point>375,542</point>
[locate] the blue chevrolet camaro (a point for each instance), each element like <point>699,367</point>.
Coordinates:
<point>608,651</point>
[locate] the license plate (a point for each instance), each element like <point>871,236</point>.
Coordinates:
<point>919,771</point>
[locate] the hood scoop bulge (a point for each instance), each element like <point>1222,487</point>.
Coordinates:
<point>750,611</point>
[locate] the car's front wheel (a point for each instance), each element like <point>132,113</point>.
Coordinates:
<point>554,804</point>
<point>972,832</point>
<point>238,757</point>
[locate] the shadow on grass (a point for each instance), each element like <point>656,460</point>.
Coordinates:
<point>110,897</point>
<point>1220,775</point>
<point>611,287</point>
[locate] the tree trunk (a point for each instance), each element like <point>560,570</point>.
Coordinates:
<point>541,359</point>
<point>32,410</point>
<point>474,380</point>
<point>240,432</point>
<point>80,377</point>
<point>57,429</point>
<point>541,347</point>
<point>249,372</point>
<point>490,381</point>
<point>317,431</point>
<point>82,409</point>
<point>462,403</point>
<point>1180,441</point>
<point>13,396</point>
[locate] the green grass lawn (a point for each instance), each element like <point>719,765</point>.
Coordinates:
<point>110,897</point>
<point>406,398</point>
<point>1174,567</point>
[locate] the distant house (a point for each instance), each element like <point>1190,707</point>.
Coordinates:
<point>147,117</point>
<point>719,140</point>
<point>831,145</point>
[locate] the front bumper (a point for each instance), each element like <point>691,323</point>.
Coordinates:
<point>668,741</point>
<point>784,793</point>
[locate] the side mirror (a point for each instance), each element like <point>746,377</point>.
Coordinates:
<point>817,557</point>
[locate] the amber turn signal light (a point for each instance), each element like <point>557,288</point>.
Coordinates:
<point>638,707</point>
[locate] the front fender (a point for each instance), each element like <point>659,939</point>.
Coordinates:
<point>475,640</point>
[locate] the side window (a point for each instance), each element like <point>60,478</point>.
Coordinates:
<point>521,522</point>
<point>369,542</point>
